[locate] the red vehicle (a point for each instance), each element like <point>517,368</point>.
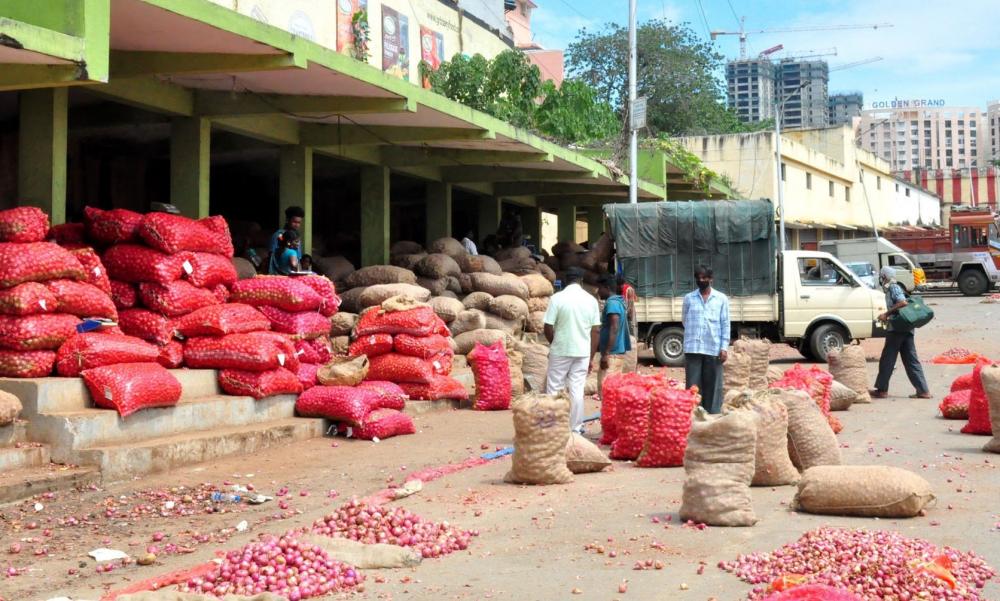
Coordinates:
<point>967,252</point>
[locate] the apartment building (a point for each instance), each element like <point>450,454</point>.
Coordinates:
<point>750,89</point>
<point>993,132</point>
<point>926,137</point>
<point>844,107</point>
<point>803,87</point>
<point>549,62</point>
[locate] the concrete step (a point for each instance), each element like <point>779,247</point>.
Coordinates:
<point>25,482</point>
<point>14,433</point>
<point>48,395</point>
<point>91,427</point>
<point>118,462</point>
<point>28,455</point>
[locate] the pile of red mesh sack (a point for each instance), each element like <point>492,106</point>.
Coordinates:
<point>299,308</point>
<point>370,411</point>
<point>646,417</point>
<point>409,347</point>
<point>817,383</point>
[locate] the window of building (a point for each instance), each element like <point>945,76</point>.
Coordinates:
<point>847,194</point>
<point>897,187</point>
<point>809,181</point>
<point>782,172</point>
<point>831,189</point>
<point>907,191</point>
<point>878,182</point>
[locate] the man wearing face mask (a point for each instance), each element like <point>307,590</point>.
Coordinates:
<point>706,337</point>
<point>897,342</point>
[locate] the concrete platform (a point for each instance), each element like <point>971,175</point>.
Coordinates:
<point>25,482</point>
<point>204,425</point>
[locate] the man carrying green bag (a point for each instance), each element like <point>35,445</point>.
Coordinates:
<point>901,318</point>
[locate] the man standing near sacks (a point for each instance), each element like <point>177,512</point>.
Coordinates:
<point>572,327</point>
<point>706,336</point>
<point>897,343</point>
<point>615,340</point>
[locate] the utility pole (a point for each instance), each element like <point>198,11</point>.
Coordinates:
<point>633,148</point>
<point>781,182</point>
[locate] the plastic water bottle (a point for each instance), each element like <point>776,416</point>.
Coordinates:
<point>226,498</point>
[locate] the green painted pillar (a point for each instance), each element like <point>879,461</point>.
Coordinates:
<point>41,157</point>
<point>190,162</point>
<point>595,223</point>
<point>438,211</point>
<point>567,223</point>
<point>374,216</point>
<point>295,188</point>
<point>489,216</point>
<point>531,223</point>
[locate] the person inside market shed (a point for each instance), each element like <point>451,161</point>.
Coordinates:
<point>294,216</point>
<point>286,259</point>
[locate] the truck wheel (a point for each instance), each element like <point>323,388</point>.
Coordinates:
<point>972,283</point>
<point>806,351</point>
<point>827,337</point>
<point>668,346</point>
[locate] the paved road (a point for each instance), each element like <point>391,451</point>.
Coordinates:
<point>532,542</point>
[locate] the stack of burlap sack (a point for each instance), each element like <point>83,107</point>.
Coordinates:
<point>594,261</point>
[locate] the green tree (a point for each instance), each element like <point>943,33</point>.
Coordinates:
<point>573,113</point>
<point>676,72</point>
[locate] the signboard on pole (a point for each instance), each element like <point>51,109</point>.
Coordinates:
<point>638,113</point>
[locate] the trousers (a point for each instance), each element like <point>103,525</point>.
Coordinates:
<point>570,374</point>
<point>616,363</point>
<point>705,372</point>
<point>896,344</point>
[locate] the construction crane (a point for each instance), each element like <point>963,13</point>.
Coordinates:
<point>743,32</point>
<point>771,50</point>
<point>807,54</point>
<point>873,59</point>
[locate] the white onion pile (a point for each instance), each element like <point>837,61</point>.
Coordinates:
<point>285,566</point>
<point>372,524</point>
<point>873,564</point>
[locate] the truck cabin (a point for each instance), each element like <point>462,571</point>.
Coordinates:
<point>975,232</point>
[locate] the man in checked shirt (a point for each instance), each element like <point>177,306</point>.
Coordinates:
<point>706,337</point>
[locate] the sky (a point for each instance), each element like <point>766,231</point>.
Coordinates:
<point>934,50</point>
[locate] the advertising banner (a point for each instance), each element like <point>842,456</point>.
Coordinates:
<point>346,9</point>
<point>431,50</point>
<point>395,43</point>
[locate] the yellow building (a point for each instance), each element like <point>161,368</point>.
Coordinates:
<point>833,189</point>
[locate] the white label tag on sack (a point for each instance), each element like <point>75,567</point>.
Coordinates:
<point>41,303</point>
<point>350,432</point>
<point>97,271</point>
<point>299,352</point>
<point>281,359</point>
<point>371,339</point>
<point>107,393</point>
<point>437,365</point>
<point>188,268</point>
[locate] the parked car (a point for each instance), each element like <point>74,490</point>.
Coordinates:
<point>865,272</point>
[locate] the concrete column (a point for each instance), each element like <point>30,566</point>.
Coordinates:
<point>567,223</point>
<point>531,223</point>
<point>190,162</point>
<point>489,216</point>
<point>374,216</point>
<point>595,223</point>
<point>295,188</point>
<point>438,207</point>
<point>41,156</point>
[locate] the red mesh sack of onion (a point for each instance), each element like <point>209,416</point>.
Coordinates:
<point>381,424</point>
<point>813,592</point>
<point>134,263</point>
<point>219,320</point>
<point>206,270</point>
<point>37,262</point>
<point>491,368</point>
<point>325,289</point>
<point>369,524</point>
<point>95,349</point>
<point>421,321</point>
<point>82,299</point>
<point>669,425</point>
<point>123,294</point>
<point>316,350</point>
<point>347,404</point>
<point>285,293</point>
<point>175,233</point>
<point>97,275</point>
<point>29,298</point>
<point>393,394</point>
<point>872,564</point>
<point>129,387</point>
<point>111,227</point>
<point>979,405</point>
<point>307,375</point>
<point>371,345</point>
<point>393,367</point>
<point>171,354</point>
<point>300,324</point>
<point>175,299</point>
<point>440,388</point>
<point>26,364</point>
<point>424,347</point>
<point>253,351</point>
<point>259,384</point>
<point>285,566</point>
<point>43,332</point>
<point>143,323</point>
<point>23,224</point>
<point>956,405</point>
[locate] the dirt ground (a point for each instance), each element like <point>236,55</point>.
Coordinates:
<point>532,540</point>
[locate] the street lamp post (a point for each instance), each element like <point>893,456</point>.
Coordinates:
<point>633,146</point>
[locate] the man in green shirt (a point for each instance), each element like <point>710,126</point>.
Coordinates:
<point>572,327</point>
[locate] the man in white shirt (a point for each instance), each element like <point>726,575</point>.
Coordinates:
<point>470,246</point>
<point>572,327</point>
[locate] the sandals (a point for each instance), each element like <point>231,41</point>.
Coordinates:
<point>878,394</point>
<point>921,395</point>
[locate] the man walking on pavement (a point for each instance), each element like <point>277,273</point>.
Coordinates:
<point>706,336</point>
<point>572,324</point>
<point>614,340</point>
<point>897,342</point>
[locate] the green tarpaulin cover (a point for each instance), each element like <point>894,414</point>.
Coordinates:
<point>659,244</point>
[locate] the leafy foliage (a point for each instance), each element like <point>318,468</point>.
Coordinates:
<point>509,87</point>
<point>361,33</point>
<point>694,170</point>
<point>677,73</point>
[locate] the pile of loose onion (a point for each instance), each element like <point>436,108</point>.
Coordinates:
<point>372,524</point>
<point>285,566</point>
<point>874,564</point>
